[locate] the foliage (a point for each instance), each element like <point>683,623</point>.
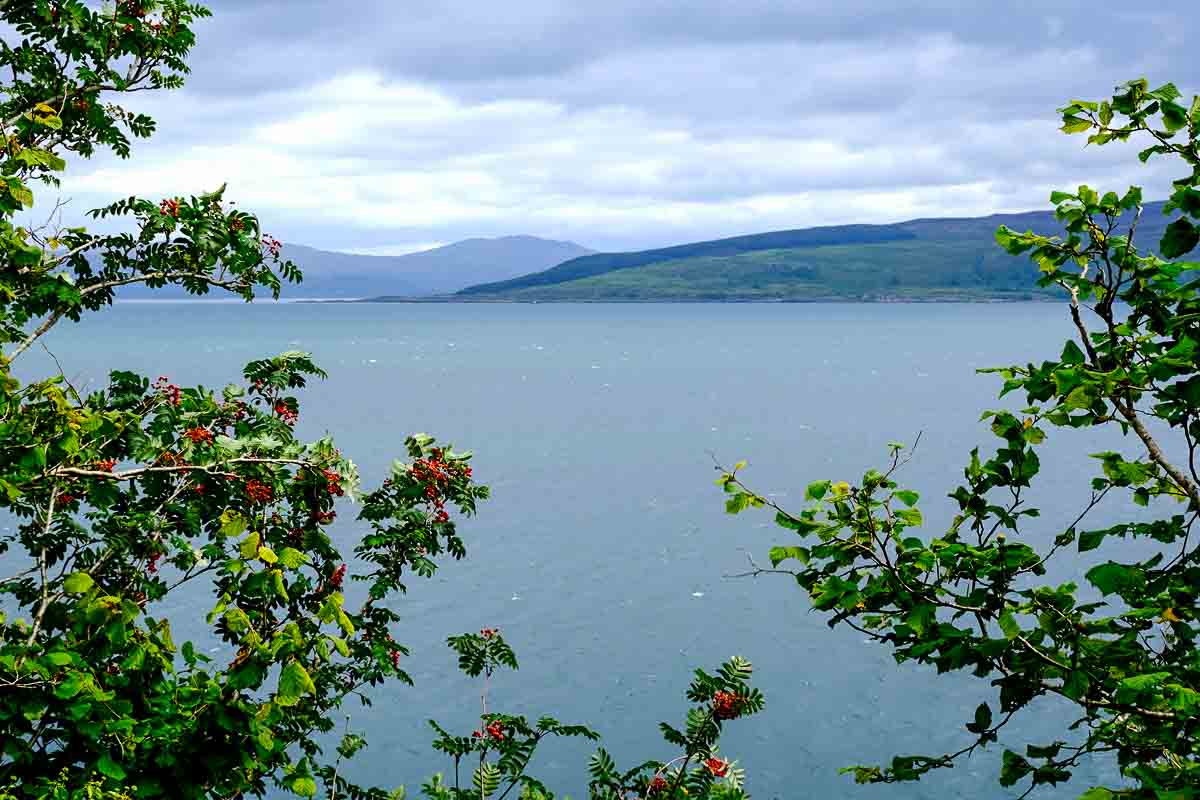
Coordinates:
<point>1121,648</point>
<point>124,496</point>
<point>505,744</point>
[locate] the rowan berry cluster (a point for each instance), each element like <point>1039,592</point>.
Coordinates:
<point>259,492</point>
<point>727,705</point>
<point>273,245</point>
<point>106,465</point>
<point>435,473</point>
<point>168,390</point>
<point>152,563</point>
<point>718,767</point>
<point>286,414</point>
<point>494,732</point>
<point>325,517</point>
<point>657,786</point>
<point>333,483</point>
<point>236,225</point>
<point>488,633</point>
<point>170,458</point>
<point>169,207</point>
<point>337,576</point>
<point>199,435</point>
<point>66,499</point>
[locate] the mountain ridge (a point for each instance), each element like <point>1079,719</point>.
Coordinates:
<point>922,258</point>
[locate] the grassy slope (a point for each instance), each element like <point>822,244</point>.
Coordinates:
<point>906,269</point>
<point>940,259</point>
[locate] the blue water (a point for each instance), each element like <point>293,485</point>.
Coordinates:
<point>602,553</point>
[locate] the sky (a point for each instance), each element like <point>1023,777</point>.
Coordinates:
<point>387,127</point>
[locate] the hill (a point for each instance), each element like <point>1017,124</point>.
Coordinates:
<point>954,258</point>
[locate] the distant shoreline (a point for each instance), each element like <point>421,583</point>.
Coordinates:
<point>453,300</point>
<point>683,300</point>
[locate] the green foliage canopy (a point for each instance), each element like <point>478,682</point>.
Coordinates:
<point>1122,650</point>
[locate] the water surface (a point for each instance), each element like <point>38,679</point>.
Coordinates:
<point>602,553</point>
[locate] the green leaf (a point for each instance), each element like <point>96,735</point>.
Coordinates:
<point>249,546</point>
<point>110,768</point>
<point>1008,624</point>
<point>78,583</point>
<point>70,686</point>
<point>1132,198</point>
<point>278,585</point>
<point>267,555</point>
<point>1111,578</point>
<point>1071,353</point>
<point>1014,768</point>
<point>983,719</point>
<point>305,787</point>
<point>908,498</point>
<point>816,490</point>
<point>232,524</point>
<point>781,554</point>
<point>737,503</point>
<point>1075,125</point>
<point>1174,117</point>
<point>1090,540</point>
<point>486,780</point>
<point>294,683</point>
<point>292,558</point>
<point>1076,685</point>
<point>1181,238</point>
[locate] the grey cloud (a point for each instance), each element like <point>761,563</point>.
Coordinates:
<point>647,123</point>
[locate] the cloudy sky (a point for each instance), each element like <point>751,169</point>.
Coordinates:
<point>383,126</point>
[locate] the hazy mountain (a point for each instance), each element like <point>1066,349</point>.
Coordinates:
<point>443,270</point>
<point>919,259</point>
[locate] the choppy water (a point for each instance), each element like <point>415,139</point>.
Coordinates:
<point>602,552</point>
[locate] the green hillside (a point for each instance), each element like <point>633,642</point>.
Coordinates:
<point>930,259</point>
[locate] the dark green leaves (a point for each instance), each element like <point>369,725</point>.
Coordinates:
<point>983,720</point>
<point>1181,238</point>
<point>1113,578</point>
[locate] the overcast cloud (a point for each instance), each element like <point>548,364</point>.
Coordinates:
<point>385,126</point>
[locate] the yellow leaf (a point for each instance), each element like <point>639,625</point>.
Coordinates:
<point>1169,615</point>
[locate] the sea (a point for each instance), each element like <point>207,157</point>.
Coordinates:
<point>605,555</point>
